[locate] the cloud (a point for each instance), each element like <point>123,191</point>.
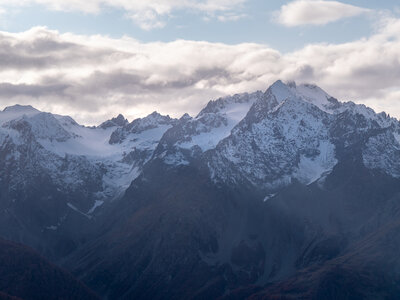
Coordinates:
<point>148,14</point>
<point>231,17</point>
<point>315,12</point>
<point>31,91</point>
<point>93,78</point>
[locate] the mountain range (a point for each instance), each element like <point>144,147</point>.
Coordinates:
<point>283,194</point>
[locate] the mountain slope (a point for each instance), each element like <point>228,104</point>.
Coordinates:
<point>235,202</point>
<point>229,238</point>
<point>26,275</point>
<point>56,174</point>
<point>367,270</point>
<point>292,186</point>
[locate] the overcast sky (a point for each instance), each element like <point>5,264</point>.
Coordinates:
<point>93,59</point>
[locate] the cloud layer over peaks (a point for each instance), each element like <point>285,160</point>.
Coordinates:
<point>95,77</point>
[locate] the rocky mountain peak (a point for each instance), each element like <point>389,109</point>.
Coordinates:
<point>17,111</point>
<point>17,108</point>
<point>41,125</point>
<point>118,121</point>
<point>307,92</point>
<point>138,126</point>
<point>151,121</point>
<point>185,117</point>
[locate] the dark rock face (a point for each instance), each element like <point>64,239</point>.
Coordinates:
<point>366,270</point>
<point>4,296</point>
<point>118,121</point>
<point>184,238</point>
<point>358,259</point>
<point>34,195</point>
<point>158,241</point>
<point>26,275</point>
<point>48,194</point>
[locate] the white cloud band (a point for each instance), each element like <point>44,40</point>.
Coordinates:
<point>315,12</point>
<point>95,77</point>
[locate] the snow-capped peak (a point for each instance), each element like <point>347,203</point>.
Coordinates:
<point>151,121</point>
<point>315,95</point>
<point>44,126</point>
<point>306,92</point>
<point>300,132</point>
<point>17,111</point>
<point>138,126</point>
<point>214,122</point>
<point>281,91</point>
<point>226,104</point>
<point>24,109</point>
<point>185,117</point>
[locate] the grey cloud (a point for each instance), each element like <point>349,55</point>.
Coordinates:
<point>381,74</point>
<point>47,52</point>
<point>305,72</point>
<point>14,90</point>
<point>134,82</point>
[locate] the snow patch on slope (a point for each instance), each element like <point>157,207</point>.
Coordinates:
<point>310,169</point>
<point>89,142</point>
<point>73,207</point>
<point>94,142</point>
<point>216,121</point>
<point>281,91</point>
<point>176,159</point>
<point>209,140</point>
<point>314,95</point>
<point>96,204</point>
<point>397,137</point>
<point>269,196</point>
